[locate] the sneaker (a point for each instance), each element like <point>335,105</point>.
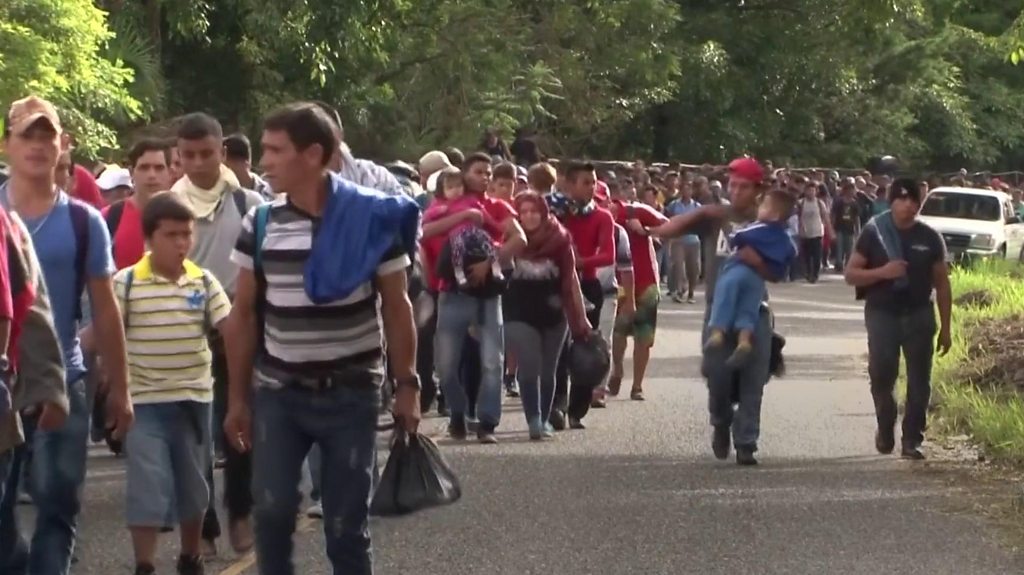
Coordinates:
<point>457,427</point>
<point>911,452</point>
<point>690,299</point>
<point>716,339</point>
<point>885,440</point>
<point>240,534</point>
<point>557,420</point>
<point>315,511</point>
<point>721,440</point>
<point>745,456</point>
<point>576,423</point>
<point>208,547</point>
<point>191,565</point>
<point>144,569</point>
<point>677,298</point>
<point>511,386</point>
<point>548,432</point>
<point>536,427</point>
<point>739,356</point>
<point>485,435</point>
<point>472,423</point>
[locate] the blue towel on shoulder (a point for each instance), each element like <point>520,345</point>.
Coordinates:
<point>889,237</point>
<point>358,228</point>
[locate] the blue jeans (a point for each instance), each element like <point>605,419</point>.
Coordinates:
<point>844,248</point>
<point>58,471</point>
<point>456,314</point>
<point>743,387</point>
<point>287,422</point>
<point>737,298</point>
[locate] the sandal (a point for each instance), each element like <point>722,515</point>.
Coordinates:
<point>614,385</point>
<point>637,395</point>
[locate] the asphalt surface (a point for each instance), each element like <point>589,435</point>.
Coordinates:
<point>639,492</point>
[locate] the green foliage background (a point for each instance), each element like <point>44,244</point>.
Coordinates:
<point>827,82</point>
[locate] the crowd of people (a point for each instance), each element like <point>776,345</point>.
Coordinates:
<point>201,315</point>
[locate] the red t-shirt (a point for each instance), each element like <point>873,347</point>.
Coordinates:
<point>128,241</point>
<point>594,237</point>
<point>645,266</point>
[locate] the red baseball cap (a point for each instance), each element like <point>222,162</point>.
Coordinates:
<point>601,191</point>
<point>748,169</point>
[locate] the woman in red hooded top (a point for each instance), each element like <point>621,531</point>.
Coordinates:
<point>543,301</point>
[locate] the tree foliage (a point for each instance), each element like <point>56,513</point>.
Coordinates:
<point>57,49</point>
<point>806,81</point>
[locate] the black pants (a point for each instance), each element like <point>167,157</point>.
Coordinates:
<point>576,401</point>
<point>237,466</point>
<point>811,252</point>
<point>425,357</point>
<point>913,333</point>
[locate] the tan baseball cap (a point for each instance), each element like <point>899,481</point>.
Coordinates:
<point>27,111</point>
<point>433,162</point>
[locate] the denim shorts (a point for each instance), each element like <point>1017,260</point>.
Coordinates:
<point>168,450</point>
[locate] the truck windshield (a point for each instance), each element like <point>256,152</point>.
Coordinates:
<point>962,206</point>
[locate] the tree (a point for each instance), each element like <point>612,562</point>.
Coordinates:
<point>54,49</point>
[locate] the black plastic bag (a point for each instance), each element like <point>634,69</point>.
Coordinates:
<point>415,477</point>
<point>777,362</point>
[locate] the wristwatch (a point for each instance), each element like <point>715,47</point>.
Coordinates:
<point>412,381</point>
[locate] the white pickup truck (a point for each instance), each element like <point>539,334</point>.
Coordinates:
<point>975,223</point>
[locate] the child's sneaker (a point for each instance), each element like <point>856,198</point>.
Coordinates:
<point>740,356</point>
<point>715,339</point>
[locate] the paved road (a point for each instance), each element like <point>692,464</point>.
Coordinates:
<point>639,492</point>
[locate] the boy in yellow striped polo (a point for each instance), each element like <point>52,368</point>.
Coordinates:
<point>169,305</point>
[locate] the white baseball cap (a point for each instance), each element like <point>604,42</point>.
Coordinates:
<point>114,177</point>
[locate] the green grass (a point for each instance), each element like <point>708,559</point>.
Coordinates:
<point>993,417</point>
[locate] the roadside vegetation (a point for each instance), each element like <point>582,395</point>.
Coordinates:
<point>979,385</point>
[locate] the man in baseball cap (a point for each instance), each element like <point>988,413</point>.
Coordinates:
<point>24,114</point>
<point>734,421</point>
<point>34,141</point>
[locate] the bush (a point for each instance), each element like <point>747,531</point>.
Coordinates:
<point>979,385</point>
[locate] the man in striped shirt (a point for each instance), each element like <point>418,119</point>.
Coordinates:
<point>318,367</point>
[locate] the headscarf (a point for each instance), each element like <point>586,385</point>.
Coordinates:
<point>550,239</point>
<point>86,188</point>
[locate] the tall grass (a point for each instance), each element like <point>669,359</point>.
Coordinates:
<point>994,417</point>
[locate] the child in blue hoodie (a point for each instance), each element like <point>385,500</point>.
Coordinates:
<point>761,251</point>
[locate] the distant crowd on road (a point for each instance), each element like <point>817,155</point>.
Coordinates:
<point>196,315</point>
